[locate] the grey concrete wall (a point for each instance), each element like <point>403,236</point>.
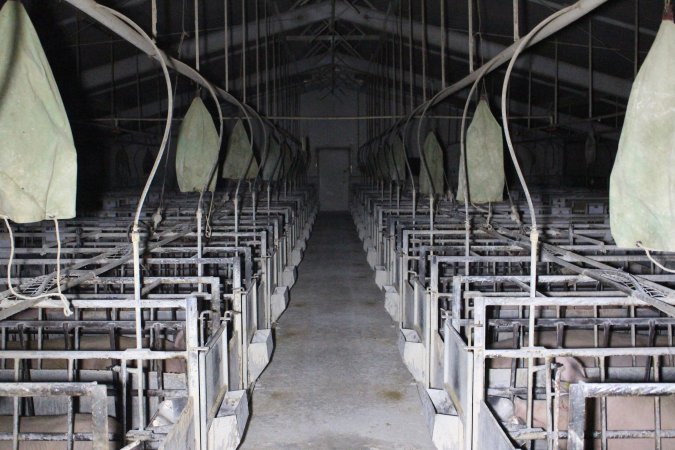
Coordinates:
<point>336,133</point>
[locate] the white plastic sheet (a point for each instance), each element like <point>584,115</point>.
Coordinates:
<point>642,184</point>
<point>38,161</point>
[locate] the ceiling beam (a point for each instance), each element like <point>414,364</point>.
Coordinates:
<point>361,66</point>
<point>457,42</point>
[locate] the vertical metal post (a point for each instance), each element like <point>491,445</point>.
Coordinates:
<point>192,349</point>
<point>636,43</point>
<point>516,20</point>
<point>529,96</point>
<point>555,85</point>
<point>410,55</point>
<point>196,4</point>
<point>153,12</point>
<point>394,91</point>
<point>444,38</point>
<point>478,367</point>
<point>244,35</point>
<point>257,55</point>
<point>472,43</point>
<point>590,67</point>
<point>226,44</point>
<point>200,265</point>
<point>577,420</point>
<point>424,49</point>
<point>99,416</point>
<point>78,54</point>
<point>267,72</point>
<point>400,57</point>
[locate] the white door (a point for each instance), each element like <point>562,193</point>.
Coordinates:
<point>334,179</point>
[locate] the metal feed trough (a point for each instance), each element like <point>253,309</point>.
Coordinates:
<point>455,290</point>
<point>206,309</point>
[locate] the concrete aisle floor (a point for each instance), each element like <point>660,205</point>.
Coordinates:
<point>336,380</point>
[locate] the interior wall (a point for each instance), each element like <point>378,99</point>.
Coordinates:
<point>333,133</point>
<point>547,159</point>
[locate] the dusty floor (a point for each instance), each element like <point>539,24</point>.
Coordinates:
<point>336,380</point>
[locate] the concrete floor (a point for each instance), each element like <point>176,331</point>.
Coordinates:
<point>336,380</point>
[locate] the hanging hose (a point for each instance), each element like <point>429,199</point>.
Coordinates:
<point>57,280</point>
<point>534,233</point>
<point>183,35</point>
<point>135,233</point>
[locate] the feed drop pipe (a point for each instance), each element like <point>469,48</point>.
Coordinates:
<point>574,13</point>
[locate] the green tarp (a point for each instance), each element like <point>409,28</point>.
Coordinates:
<point>287,162</point>
<point>239,155</point>
<point>38,162</point>
<point>303,159</point>
<point>642,184</point>
<point>433,182</point>
<point>484,159</point>
<point>397,160</point>
<point>383,163</point>
<point>272,163</point>
<point>197,149</point>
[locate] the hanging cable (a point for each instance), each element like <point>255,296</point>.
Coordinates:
<point>197,56</point>
<point>135,233</point>
<point>160,209</point>
<point>534,233</point>
<point>57,280</point>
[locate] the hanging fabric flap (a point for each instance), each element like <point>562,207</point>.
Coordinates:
<point>383,163</point>
<point>304,151</point>
<point>484,158</point>
<point>590,148</point>
<point>287,162</point>
<point>272,161</point>
<point>38,161</point>
<point>373,163</point>
<point>196,149</point>
<point>642,183</point>
<point>398,157</point>
<point>240,156</point>
<point>432,183</point>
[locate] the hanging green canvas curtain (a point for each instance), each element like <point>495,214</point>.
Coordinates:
<point>239,155</point>
<point>38,161</point>
<point>287,162</point>
<point>271,167</point>
<point>433,182</point>
<point>304,156</point>
<point>484,159</point>
<point>397,161</point>
<point>383,163</point>
<point>642,184</point>
<point>197,149</point>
